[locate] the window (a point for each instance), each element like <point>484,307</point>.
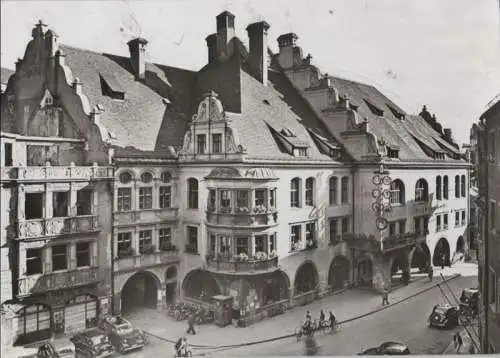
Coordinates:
<point>59,257</point>
<point>33,261</point>
<point>124,199</point>
<point>492,288</point>
<point>212,199</point>
<point>212,244</point>
<point>392,229</point>
<point>201,140</point>
<point>259,243</point>
<point>217,143</point>
<point>165,197</point>
<point>260,197</point>
<point>295,193</point>
<point>272,243</point>
<point>242,200</point>
<point>445,222</point>
<point>33,205</point>
<point>145,241</point>
<point>145,198</point>
<point>397,192</point>
<point>192,239</point>
<point>438,187</point>
<point>60,200</point>
<point>301,152</point>
<point>392,153</point>
<point>402,226</point>
<point>225,201</point>
<point>295,237</point>
<point>417,224</point>
<point>192,193</point>
<point>438,223</point>
<point>84,202</point>
<point>334,236</point>
<point>311,235</point>
<point>242,245</point>
<point>345,225</point>
<point>125,178</point>
<point>445,187</point>
<point>457,186</point>
<point>492,214</point>
<point>463,218</point>
<point>457,218</point>
<point>7,154</point>
<point>272,198</point>
<point>83,254</point>
<point>333,183</point>
<point>124,244</point>
<point>421,190</point>
<point>463,186</point>
<point>310,191</point>
<point>165,190</point>
<point>225,244</point>
<point>165,238</point>
<point>344,194</point>
<point>146,178</point>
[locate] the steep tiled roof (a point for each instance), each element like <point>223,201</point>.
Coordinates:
<point>5,74</point>
<point>397,128</point>
<point>149,107</point>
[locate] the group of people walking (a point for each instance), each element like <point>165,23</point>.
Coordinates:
<point>308,326</point>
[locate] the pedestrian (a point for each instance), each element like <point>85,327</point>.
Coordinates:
<point>455,343</point>
<point>430,273</point>
<point>460,342</point>
<point>191,324</point>
<point>442,261</point>
<point>385,297</point>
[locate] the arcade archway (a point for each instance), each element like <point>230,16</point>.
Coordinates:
<point>306,278</point>
<point>275,288</point>
<point>140,290</point>
<point>421,257</point>
<point>460,245</point>
<point>441,255</point>
<point>200,284</point>
<point>338,274</point>
<point>364,268</point>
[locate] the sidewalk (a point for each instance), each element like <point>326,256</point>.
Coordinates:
<point>348,304</point>
<point>466,346</point>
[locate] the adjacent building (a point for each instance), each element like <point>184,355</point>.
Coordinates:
<point>489,202</point>
<point>256,177</point>
<point>5,74</point>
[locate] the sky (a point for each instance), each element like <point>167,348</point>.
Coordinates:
<point>441,53</point>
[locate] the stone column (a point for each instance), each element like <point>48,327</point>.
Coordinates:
<point>48,207</point>
<point>73,194</point>
<point>162,292</point>
<point>251,200</point>
<point>252,245</point>
<point>156,238</point>
<point>117,303</point>
<point>134,195</point>
<point>22,261</point>
<point>72,256</point>
<point>47,259</point>
<point>21,202</point>
<point>115,245</point>
<point>135,240</point>
<point>381,272</point>
<point>339,190</point>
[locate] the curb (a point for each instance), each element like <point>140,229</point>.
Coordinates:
<point>290,335</point>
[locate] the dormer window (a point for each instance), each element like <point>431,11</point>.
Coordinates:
<point>397,113</point>
<point>300,152</point>
<point>49,101</point>
<point>392,152</point>
<point>111,87</point>
<point>287,132</point>
<point>374,108</point>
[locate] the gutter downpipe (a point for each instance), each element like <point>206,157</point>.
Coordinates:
<point>353,250</point>
<point>486,238</point>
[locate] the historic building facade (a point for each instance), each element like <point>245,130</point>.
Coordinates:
<point>253,178</point>
<point>489,203</point>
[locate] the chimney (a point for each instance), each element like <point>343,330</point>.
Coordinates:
<point>290,54</point>
<point>225,35</point>
<point>137,48</point>
<point>257,34</point>
<point>447,134</point>
<point>212,47</point>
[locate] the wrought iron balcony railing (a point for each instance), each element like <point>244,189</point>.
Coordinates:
<point>234,264</point>
<point>34,228</point>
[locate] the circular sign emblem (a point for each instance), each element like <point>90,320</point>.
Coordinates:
<point>386,194</point>
<point>376,193</point>
<point>381,223</point>
<point>386,180</point>
<point>376,207</point>
<point>376,179</point>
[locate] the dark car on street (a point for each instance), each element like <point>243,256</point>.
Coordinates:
<point>387,348</point>
<point>444,316</point>
<point>122,334</point>
<point>469,301</point>
<point>92,343</point>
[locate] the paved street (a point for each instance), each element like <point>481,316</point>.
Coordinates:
<point>406,322</point>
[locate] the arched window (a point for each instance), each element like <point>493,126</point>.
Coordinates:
<point>457,186</point>
<point>295,192</point>
<point>310,191</point>
<point>344,190</point>
<point>463,186</point>
<point>333,184</point>
<point>165,193</point>
<point>438,188</point>
<point>192,193</point>
<point>146,177</point>
<point>125,178</point>
<point>445,187</point>
<point>397,192</point>
<point>421,190</point>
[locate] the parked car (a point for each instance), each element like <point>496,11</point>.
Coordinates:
<point>122,334</point>
<point>64,348</point>
<point>92,343</point>
<point>387,348</point>
<point>444,316</point>
<point>469,301</point>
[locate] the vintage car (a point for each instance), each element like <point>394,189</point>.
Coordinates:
<point>92,343</point>
<point>469,301</point>
<point>122,334</point>
<point>387,348</point>
<point>444,316</point>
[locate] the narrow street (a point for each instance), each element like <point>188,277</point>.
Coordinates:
<point>405,322</point>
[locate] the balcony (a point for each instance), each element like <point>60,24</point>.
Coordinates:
<point>145,216</point>
<point>49,173</point>
<point>243,218</point>
<point>57,280</point>
<point>237,265</point>
<point>373,244</point>
<point>134,261</point>
<point>35,228</point>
